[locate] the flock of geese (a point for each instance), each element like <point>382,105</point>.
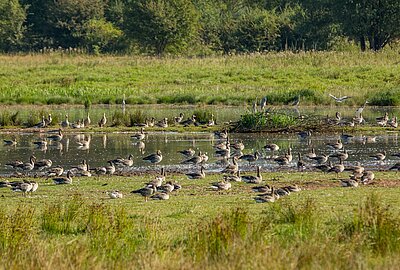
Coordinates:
<point>228,153</point>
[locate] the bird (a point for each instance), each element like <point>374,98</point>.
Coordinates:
<point>296,102</point>
<point>194,160</point>
<point>221,134</point>
<point>187,152</point>
<point>163,123</point>
<point>179,118</point>
<point>324,167</point>
<point>161,196</point>
<point>367,177</point>
<point>154,158</point>
<point>393,123</point>
<point>63,180</point>
<point>311,154</point>
<point>304,134</point>
<point>103,120</point>
<point>379,156</point>
<point>263,103</point>
<point>238,145</point>
<point>301,165</point>
<point>271,147</point>
<point>124,162</point>
<point>139,136</point>
<point>222,185</point>
<point>211,122</point>
<point>233,177</point>
<point>167,187</point>
<point>268,197</point>
<point>115,194</point>
<point>292,188</point>
<point>40,144</point>
<point>12,142</point>
<point>320,159</point>
<point>57,137</point>
<point>250,157</point>
<point>197,175</point>
<point>253,179</point>
<point>29,165</point>
<point>189,121</point>
<point>231,168</point>
<point>81,167</point>
<point>361,109</point>
<point>55,171</point>
<point>48,120</point>
<point>339,99</point>
<point>349,183</point>
<point>23,187</point>
<point>146,191</point>
<point>65,123</point>
<point>87,121</point>
<point>340,155</point>
<point>338,168</point>
<point>263,189</point>
<point>336,145</point>
<point>41,124</point>
<point>43,164</point>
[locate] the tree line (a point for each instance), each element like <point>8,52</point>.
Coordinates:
<point>197,27</point>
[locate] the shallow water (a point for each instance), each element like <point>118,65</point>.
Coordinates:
<point>104,147</point>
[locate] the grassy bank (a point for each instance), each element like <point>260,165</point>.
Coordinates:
<point>323,226</point>
<point>80,79</point>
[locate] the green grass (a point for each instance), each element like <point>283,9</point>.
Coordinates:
<point>236,80</point>
<point>324,226</point>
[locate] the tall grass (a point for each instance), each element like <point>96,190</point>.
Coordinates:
<point>238,79</point>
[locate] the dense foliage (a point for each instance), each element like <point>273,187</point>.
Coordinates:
<point>196,26</point>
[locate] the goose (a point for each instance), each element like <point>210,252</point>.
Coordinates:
<point>29,165</point>
<point>57,137</point>
<point>379,156</point>
<point>283,191</point>
<point>361,109</point>
<point>87,121</point>
<point>289,155</point>
<point>204,157</point>
<point>358,120</point>
<point>384,118</point>
<point>320,159</point>
<point>231,168</point>
<point>335,146</point>
<point>159,179</point>
<point>233,178</point>
<point>349,183</point>
<point>304,134</point>
<point>282,160</point>
<point>115,194</point>
<point>254,108</point>
<point>55,171</point>
<point>48,120</point>
<point>163,123</point>
<point>194,160</point>
<point>41,124</point>
<point>346,137</point>
<point>197,175</point>
<point>35,186</point>
<point>222,185</point>
<point>12,142</point>
<point>221,134</point>
<point>110,169</point>
<point>161,196</point>
<point>294,188</point>
<point>154,158</point>
<point>393,123</point>
<point>301,165</point>
<point>223,145</point>
<point>139,136</point>
<point>395,167</point>
<point>367,177</point>
<point>211,122</point>
<point>311,154</point>
<point>84,144</point>
<point>238,145</point>
<point>189,121</point>
<point>65,123</point>
<point>23,187</point>
<point>167,187</point>
<point>237,154</point>
<point>179,118</point>
<point>124,162</point>
<point>340,155</point>
<point>336,120</point>
<point>339,99</point>
<point>263,103</point>
<point>103,120</point>
<point>253,179</point>
<point>250,157</point>
<point>338,168</point>
<point>43,164</point>
<point>296,102</point>
<point>63,180</point>
<point>324,167</point>
<point>356,168</point>
<point>271,147</point>
<point>263,189</point>
<point>268,197</point>
<point>368,139</point>
<point>85,173</point>
<point>78,124</point>
<point>224,153</point>
<point>187,152</point>
<point>146,192</point>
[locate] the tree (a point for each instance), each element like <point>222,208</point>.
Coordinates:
<point>101,35</point>
<point>12,18</point>
<point>374,21</point>
<point>160,24</point>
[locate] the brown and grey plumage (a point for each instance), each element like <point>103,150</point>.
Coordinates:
<point>187,152</point>
<point>197,175</point>
<point>193,160</point>
<point>250,157</point>
<point>10,142</point>
<point>139,136</point>
<point>257,179</point>
<point>43,164</point>
<point>125,162</point>
<point>379,156</point>
<point>154,158</point>
<point>63,180</point>
<point>349,183</point>
<point>222,185</point>
<point>146,192</point>
<point>57,137</point>
<point>336,145</point>
<point>263,189</point>
<point>231,168</point>
<point>103,121</point>
<point>55,171</point>
<point>161,196</point>
<point>233,177</point>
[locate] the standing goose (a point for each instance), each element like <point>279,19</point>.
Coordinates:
<point>154,158</point>
<point>146,192</point>
<point>221,134</point>
<point>189,121</point>
<point>393,123</point>
<point>197,175</point>
<point>103,121</point>
<point>338,168</point>
<point>87,121</point>
<point>163,123</point>
<point>110,169</point>
<point>324,167</point>
<point>65,123</point>
<point>379,156</point>
<point>23,187</point>
<point>301,165</point>
<point>320,159</point>
<point>253,179</point>
<point>231,168</point>
<point>63,180</point>
<point>29,165</point>
<point>311,154</point>
<point>250,157</point>
<point>139,136</point>
<point>125,162</point>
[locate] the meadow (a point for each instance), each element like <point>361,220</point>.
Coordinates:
<point>324,226</point>
<point>60,78</point>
